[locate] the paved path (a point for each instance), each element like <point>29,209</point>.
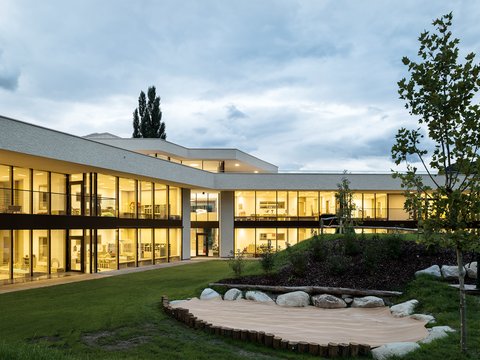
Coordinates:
<point>76,277</point>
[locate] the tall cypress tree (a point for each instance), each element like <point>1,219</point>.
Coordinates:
<point>149,116</point>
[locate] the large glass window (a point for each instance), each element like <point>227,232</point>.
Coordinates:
<point>292,237</point>
<point>160,209</point>
<point>245,241</point>
<point>175,239</point>
<point>21,253</point>
<point>145,196</point>
<point>281,240</point>
<point>203,206</point>
<point>58,252</point>
<point>266,238</point>
<point>369,206</point>
<point>59,194</point>
<point>5,189</point>
<point>127,241</point>
<point>161,245</point>
<point>266,205</point>
<point>282,205</point>
<point>127,198</point>
<point>381,206</point>
<point>5,254</point>
<point>40,192</point>
<point>21,188</point>
<point>245,205</point>
<point>292,202</point>
<point>106,195</point>
<point>175,199</point>
<point>304,234</point>
<point>357,199</point>
<point>40,253</point>
<point>327,203</point>
<point>308,204</point>
<point>395,207</point>
<point>107,249</point>
<point>145,247</point>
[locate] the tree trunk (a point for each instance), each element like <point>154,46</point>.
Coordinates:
<point>463,305</point>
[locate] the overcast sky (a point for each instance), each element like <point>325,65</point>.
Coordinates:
<point>306,85</point>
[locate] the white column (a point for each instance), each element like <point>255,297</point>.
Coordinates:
<point>226,217</point>
<point>186,224</point>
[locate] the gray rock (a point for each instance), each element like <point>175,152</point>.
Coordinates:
<point>258,296</point>
<point>327,301</point>
<point>367,302</point>
<point>233,294</point>
<point>436,332</point>
<point>472,270</point>
<point>433,270</point>
<point>348,300</point>
<point>394,349</point>
<point>428,319</point>
<point>209,294</point>
<point>404,309</point>
<point>450,272</point>
<point>294,299</point>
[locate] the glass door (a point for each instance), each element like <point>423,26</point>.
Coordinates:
<point>75,253</point>
<point>76,198</point>
<point>202,244</point>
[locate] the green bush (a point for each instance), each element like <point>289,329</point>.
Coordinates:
<point>297,260</point>
<point>372,253</point>
<point>351,244</point>
<point>267,259</point>
<point>237,262</point>
<point>319,248</point>
<point>338,264</point>
<point>393,244</point>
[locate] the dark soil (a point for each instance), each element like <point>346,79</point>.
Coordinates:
<point>370,264</point>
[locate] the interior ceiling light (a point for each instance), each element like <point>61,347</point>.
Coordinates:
<point>195,165</point>
<point>256,171</point>
<point>237,164</point>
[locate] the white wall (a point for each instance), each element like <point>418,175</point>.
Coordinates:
<point>186,224</point>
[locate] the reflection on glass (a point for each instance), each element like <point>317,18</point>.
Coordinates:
<point>107,249</point>
<point>21,188</point>
<point>160,247</point>
<point>106,198</point>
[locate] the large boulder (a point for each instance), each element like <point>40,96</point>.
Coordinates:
<point>437,332</point>
<point>450,272</point>
<point>394,349</point>
<point>433,270</point>
<point>294,299</point>
<point>428,319</point>
<point>404,309</point>
<point>368,302</point>
<point>472,270</point>
<point>327,301</point>
<point>209,294</point>
<point>258,296</point>
<point>233,294</point>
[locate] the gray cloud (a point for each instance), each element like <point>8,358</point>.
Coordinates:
<point>9,80</point>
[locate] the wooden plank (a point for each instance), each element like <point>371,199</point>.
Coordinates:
<point>312,290</point>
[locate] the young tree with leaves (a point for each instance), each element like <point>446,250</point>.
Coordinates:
<point>346,206</point>
<point>147,118</point>
<point>441,92</point>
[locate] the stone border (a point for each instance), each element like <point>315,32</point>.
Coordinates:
<point>330,350</point>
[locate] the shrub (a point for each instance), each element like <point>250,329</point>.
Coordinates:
<point>267,259</point>
<point>297,260</point>
<point>351,244</point>
<point>237,262</point>
<point>319,248</point>
<point>393,244</point>
<point>372,254</point>
<point>338,264</point>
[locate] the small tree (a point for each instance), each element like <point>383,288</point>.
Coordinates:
<point>440,91</point>
<point>346,206</point>
<point>147,118</point>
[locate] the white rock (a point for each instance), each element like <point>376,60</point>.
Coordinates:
<point>433,270</point>
<point>176,302</point>
<point>394,349</point>
<point>294,299</point>
<point>472,270</point>
<point>428,319</point>
<point>209,294</point>
<point>436,332</point>
<point>404,309</point>
<point>327,301</point>
<point>367,302</point>
<point>258,296</point>
<point>450,272</point>
<point>233,294</point>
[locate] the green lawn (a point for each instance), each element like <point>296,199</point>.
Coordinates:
<point>119,318</point>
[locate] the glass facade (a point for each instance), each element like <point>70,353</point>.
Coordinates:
<point>203,206</point>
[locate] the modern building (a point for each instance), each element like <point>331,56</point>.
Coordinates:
<point>101,203</point>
